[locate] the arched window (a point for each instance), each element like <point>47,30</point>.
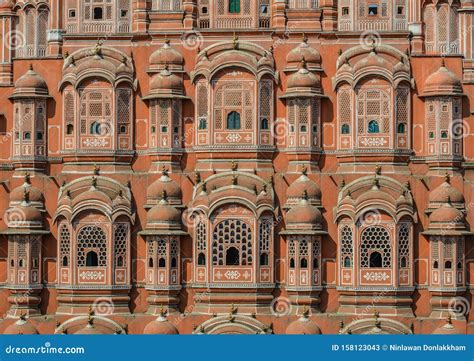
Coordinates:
<point>119,261</point>
<point>401,128</point>
<point>95,128</point>
<point>161,263</point>
<point>448,265</point>
<point>150,262</point>
<point>92,260</point>
<point>292,263</point>
<point>345,129</point>
<point>347,262</point>
<point>232,257</point>
<point>435,265</point>
<point>375,260</point>
<point>65,262</point>
<point>373,127</point>
<point>264,259</point>
<point>234,6</point>
<point>27,136</point>
<point>173,262</point>
<point>21,263</point>
<point>303,263</point>
<point>264,124</point>
<point>201,259</point>
<point>315,263</point>
<point>233,120</point>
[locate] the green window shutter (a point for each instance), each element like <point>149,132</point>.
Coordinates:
<point>234,6</point>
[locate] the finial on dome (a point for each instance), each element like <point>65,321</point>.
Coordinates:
<point>26,195</point>
<point>255,190</point>
<point>264,187</point>
<point>233,166</point>
<point>235,41</point>
<point>162,311</point>
<point>303,63</point>
<point>304,170</point>
<point>378,170</point>
<point>164,196</point>
<point>343,183</point>
<point>449,321</point>
<point>305,195</point>
<point>124,60</point>
<point>94,182</point>
<point>446,177</point>
<point>90,313</point>
<point>27,178</point>
<point>96,170</point>
<point>68,193</point>
<point>164,171</point>
<point>233,309</point>
<point>449,200</point>
<point>31,66</point>
<point>305,312</point>
<point>23,316</point>
<point>339,52</point>
<point>167,41</point>
<point>375,182</point>
<point>270,49</point>
<point>197,177</point>
<point>408,185</point>
<point>341,324</point>
<point>304,38</point>
<point>376,314</point>
<point>204,187</point>
<point>234,180</point>
<point>97,48</point>
<point>443,64</point>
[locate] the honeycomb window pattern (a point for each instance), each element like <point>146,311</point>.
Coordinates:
<point>232,233</point>
<point>347,249</point>
<point>375,238</point>
<point>91,238</point>
<point>120,243</point>
<point>404,246</point>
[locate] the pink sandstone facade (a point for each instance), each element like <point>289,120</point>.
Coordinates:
<point>236,166</point>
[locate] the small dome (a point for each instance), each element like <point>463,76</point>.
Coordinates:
<point>301,185</point>
<point>304,51</point>
<point>163,213</point>
<point>442,82</point>
<point>89,329</point>
<point>31,80</point>
<point>6,4</point>
<point>445,193</point>
<point>303,78</point>
<point>164,184</point>
<point>92,194</point>
<point>160,326</point>
<point>166,55</point>
<point>23,216</point>
<point>21,327</point>
<point>165,81</point>
<point>447,214</point>
<point>304,213</point>
<point>303,326</point>
<point>18,194</point>
<point>448,329</point>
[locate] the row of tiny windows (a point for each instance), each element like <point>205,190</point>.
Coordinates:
<point>373,128</point>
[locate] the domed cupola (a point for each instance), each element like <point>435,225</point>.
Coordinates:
<point>163,216</point>
<point>447,218</point>
<point>166,55</point>
<point>303,326</point>
<point>442,82</point>
<point>300,186</point>
<point>24,215</point>
<point>35,196</point>
<point>303,51</point>
<point>31,84</point>
<point>21,327</point>
<point>443,193</point>
<point>303,83</point>
<point>448,329</point>
<point>166,85</point>
<point>167,185</point>
<point>160,326</point>
<point>304,216</point>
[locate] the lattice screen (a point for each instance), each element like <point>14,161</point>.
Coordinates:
<point>91,238</point>
<point>375,238</point>
<point>64,244</point>
<point>404,246</point>
<point>232,233</point>
<point>347,245</point>
<point>121,236</point>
